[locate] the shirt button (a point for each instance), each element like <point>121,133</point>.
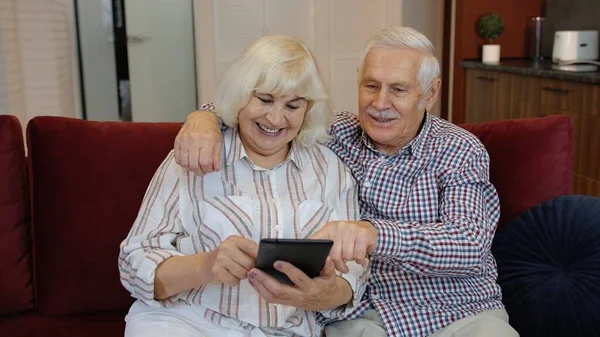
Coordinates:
<point>367,184</point>
<point>381,159</point>
<point>277,228</point>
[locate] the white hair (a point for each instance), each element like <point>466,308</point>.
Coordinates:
<point>276,65</point>
<point>406,38</point>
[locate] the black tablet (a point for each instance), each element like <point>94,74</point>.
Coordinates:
<point>305,254</point>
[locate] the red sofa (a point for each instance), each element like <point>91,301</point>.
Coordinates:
<point>65,208</point>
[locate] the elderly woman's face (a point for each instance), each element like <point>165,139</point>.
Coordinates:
<point>268,124</point>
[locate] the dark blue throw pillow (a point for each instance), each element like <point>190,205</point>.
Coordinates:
<point>549,268</point>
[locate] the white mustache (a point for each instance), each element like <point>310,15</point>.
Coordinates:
<point>384,114</point>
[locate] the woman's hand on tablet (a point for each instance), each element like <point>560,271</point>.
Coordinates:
<point>325,292</point>
<point>232,260</point>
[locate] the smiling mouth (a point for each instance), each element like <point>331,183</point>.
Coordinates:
<point>383,120</point>
<point>268,131</point>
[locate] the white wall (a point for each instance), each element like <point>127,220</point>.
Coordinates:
<point>4,107</point>
<point>3,91</point>
<point>40,68</point>
<point>66,58</point>
<point>342,28</point>
<point>335,30</point>
<point>38,49</point>
<point>46,47</point>
<point>427,16</point>
<point>12,85</point>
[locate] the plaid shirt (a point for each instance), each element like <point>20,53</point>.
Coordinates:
<point>436,213</point>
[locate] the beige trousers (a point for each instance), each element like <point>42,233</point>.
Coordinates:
<point>492,323</point>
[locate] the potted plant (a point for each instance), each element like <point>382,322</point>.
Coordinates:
<point>489,27</point>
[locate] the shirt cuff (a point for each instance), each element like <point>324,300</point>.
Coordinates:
<point>392,239</point>
<point>146,273</point>
<point>357,278</point>
<point>210,107</point>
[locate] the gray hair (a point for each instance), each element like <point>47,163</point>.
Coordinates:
<point>276,65</point>
<point>407,38</point>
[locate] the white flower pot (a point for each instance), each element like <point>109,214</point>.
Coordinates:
<point>491,53</point>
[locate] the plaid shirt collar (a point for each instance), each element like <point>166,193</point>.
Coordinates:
<point>233,156</point>
<point>415,147</point>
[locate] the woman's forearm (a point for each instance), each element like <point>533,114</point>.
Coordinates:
<point>343,295</point>
<point>181,273</point>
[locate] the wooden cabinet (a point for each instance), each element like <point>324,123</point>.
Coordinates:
<point>525,94</point>
<point>560,96</point>
<point>495,95</point>
<point>491,96</point>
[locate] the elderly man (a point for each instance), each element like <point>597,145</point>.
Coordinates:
<point>428,209</point>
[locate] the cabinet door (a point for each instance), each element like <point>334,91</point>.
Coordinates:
<point>488,96</point>
<point>591,100</point>
<point>525,96</point>
<point>502,108</point>
<point>480,88</point>
<point>558,96</point>
<point>586,124</point>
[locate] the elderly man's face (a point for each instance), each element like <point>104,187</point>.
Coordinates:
<point>389,96</point>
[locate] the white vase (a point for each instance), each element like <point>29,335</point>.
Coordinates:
<point>491,53</point>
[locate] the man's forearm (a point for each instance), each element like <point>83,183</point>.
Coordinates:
<point>201,117</point>
<point>435,249</point>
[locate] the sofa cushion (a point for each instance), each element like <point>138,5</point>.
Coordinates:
<point>35,325</point>
<point>549,268</point>
<point>530,160</point>
<point>16,290</point>
<point>88,180</point>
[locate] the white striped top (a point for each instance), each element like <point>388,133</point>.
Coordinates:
<point>183,214</point>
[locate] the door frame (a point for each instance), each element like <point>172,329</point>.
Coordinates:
<point>448,62</point>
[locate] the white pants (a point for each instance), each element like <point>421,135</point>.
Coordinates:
<point>155,325</point>
<point>492,323</point>
<point>182,321</point>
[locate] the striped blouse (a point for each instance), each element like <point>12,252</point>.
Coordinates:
<point>183,214</point>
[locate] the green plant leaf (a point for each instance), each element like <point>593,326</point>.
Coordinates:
<point>490,26</point>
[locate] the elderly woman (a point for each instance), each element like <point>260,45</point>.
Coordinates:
<point>189,257</point>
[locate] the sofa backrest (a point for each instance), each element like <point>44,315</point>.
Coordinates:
<point>16,291</point>
<point>531,160</point>
<point>87,183</point>
<point>88,179</point>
